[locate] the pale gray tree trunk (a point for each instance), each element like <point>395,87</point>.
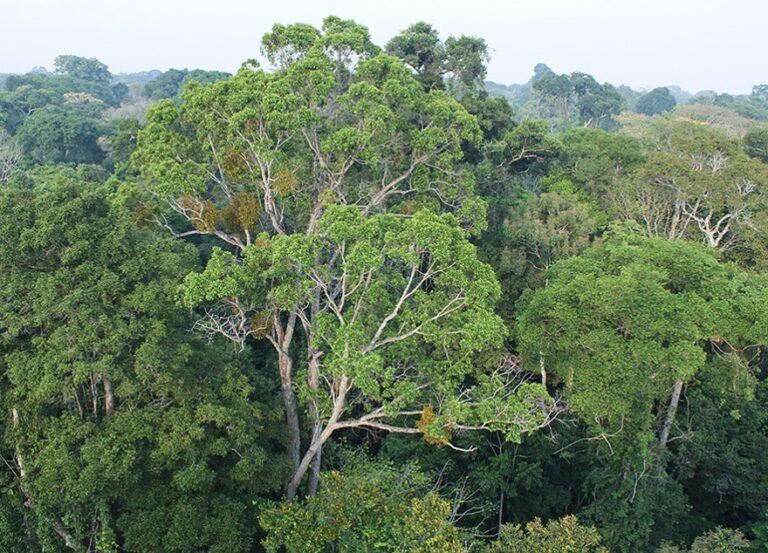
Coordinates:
<point>285,364</point>
<point>314,473</point>
<point>671,412</point>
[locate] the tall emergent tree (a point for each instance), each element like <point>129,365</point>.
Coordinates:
<point>458,64</point>
<point>563,96</point>
<point>332,185</point>
<point>86,69</point>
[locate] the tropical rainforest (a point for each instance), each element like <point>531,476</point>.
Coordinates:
<point>354,298</point>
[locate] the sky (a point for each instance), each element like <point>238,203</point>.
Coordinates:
<point>697,44</point>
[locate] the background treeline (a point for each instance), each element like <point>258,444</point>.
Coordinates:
<point>362,300</point>
<point>565,100</point>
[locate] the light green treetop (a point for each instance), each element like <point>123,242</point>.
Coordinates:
<point>334,185</point>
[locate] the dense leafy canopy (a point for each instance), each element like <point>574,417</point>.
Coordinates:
<point>656,101</point>
<point>624,327</point>
<point>361,300</point>
<point>296,170</point>
<point>365,508</point>
<point>118,424</point>
<point>562,536</point>
<point>621,323</point>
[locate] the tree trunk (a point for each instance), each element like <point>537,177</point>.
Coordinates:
<point>291,409</point>
<point>94,396</point>
<point>318,440</point>
<point>314,473</point>
<point>500,521</point>
<point>293,485</point>
<point>282,343</point>
<point>109,398</point>
<point>671,412</point>
<point>313,374</point>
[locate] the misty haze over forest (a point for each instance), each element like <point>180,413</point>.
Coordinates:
<point>695,44</point>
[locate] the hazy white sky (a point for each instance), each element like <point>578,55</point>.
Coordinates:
<point>698,44</point>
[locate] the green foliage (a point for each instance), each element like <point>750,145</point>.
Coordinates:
<point>458,64</point>
<point>122,430</point>
<point>338,201</point>
<point>657,101</point>
<point>720,540</point>
<point>535,234</point>
<point>719,464</point>
<point>565,535</point>
<point>576,99</point>
<point>449,309</point>
<point>756,144</point>
<point>420,48</point>
<point>635,504</point>
<point>366,508</point>
<point>74,74</point>
<point>617,326</point>
<point>466,60</point>
<point>625,320</point>
<point>83,68</point>
<point>352,169</point>
<point>697,183</point>
<point>121,144</point>
<point>370,115</point>
<point>759,530</point>
<point>595,161</point>
<point>753,106</point>
<point>65,134</point>
<point>170,83</point>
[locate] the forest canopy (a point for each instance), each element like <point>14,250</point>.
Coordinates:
<point>357,298</point>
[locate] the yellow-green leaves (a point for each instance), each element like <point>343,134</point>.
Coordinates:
<point>368,507</point>
<point>308,135</point>
<point>223,277</point>
<point>565,535</point>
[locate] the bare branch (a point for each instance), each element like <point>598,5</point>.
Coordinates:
<point>10,156</point>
